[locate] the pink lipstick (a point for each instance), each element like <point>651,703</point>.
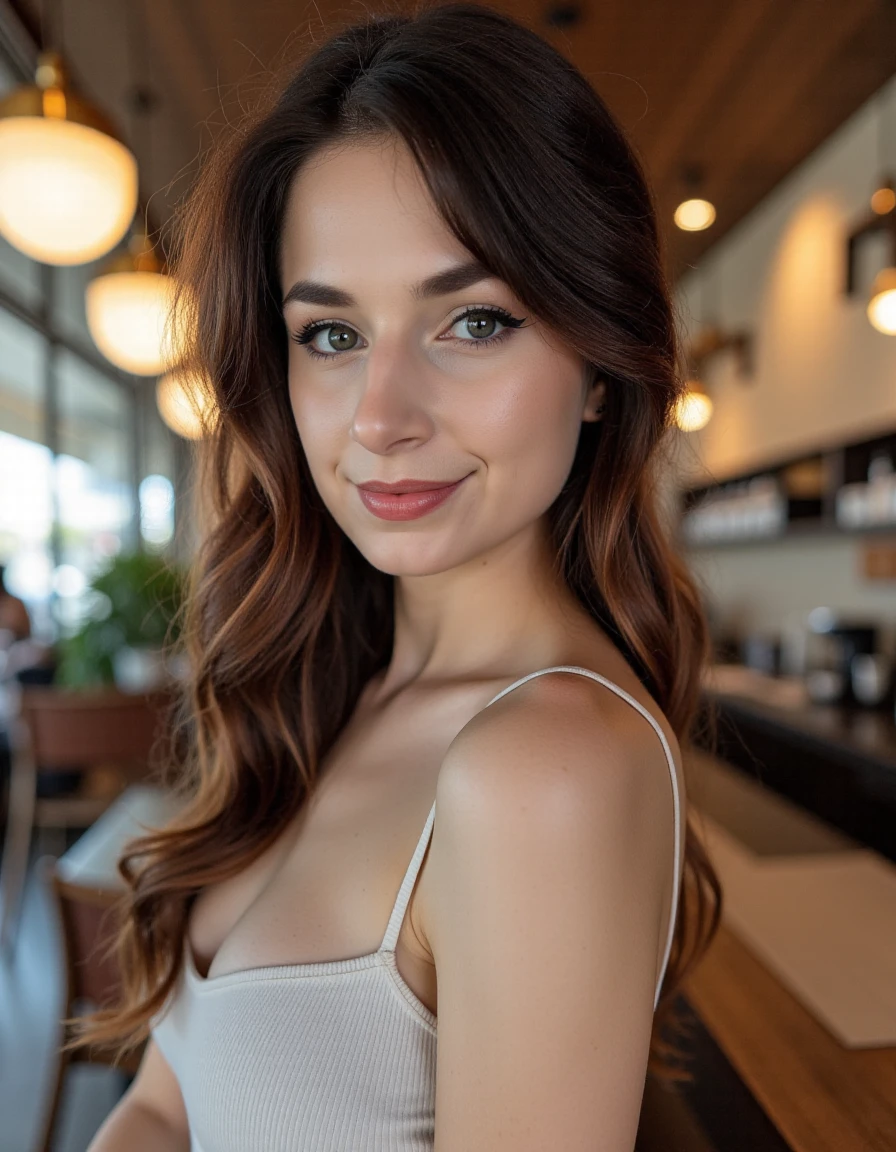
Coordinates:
<point>409,501</point>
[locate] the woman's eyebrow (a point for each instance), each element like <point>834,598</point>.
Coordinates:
<point>453,279</point>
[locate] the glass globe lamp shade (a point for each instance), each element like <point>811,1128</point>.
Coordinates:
<point>68,186</point>
<point>183,400</point>
<point>694,215</point>
<point>882,304</point>
<point>694,409</point>
<point>129,307</point>
<point>127,314</point>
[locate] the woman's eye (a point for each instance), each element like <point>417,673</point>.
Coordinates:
<point>477,327</point>
<point>336,338</point>
<point>481,324</point>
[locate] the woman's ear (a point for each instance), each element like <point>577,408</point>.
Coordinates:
<point>594,401</point>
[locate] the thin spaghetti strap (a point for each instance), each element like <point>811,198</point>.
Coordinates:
<point>675,798</point>
<point>407,886</point>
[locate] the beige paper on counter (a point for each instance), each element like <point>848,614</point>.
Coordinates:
<point>824,923</point>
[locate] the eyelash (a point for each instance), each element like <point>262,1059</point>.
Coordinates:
<point>307,333</point>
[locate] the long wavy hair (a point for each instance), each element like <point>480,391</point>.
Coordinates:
<point>285,621</point>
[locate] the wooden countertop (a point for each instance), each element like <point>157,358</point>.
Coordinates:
<point>864,735</point>
<point>821,1096</point>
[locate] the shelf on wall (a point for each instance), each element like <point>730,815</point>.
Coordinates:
<point>847,489</point>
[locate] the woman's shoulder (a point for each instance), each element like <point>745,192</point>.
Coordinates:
<point>567,743</point>
<point>561,768</point>
<point>601,704</point>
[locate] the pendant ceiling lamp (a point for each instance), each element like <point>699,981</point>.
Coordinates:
<point>183,400</point>
<point>129,308</point>
<point>68,186</point>
<point>694,213</point>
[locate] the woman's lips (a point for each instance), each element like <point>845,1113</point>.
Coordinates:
<point>407,505</point>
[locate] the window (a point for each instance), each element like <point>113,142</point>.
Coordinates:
<point>26,489</point>
<point>81,477</point>
<point>94,485</point>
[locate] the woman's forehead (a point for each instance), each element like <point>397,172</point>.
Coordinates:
<point>351,184</point>
<point>364,208</point>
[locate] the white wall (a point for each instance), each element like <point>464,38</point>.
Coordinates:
<point>823,374</point>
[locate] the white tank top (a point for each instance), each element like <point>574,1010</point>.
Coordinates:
<point>335,1056</point>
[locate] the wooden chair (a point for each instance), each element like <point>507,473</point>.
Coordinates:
<point>106,734</point>
<point>92,979</point>
<point>84,884</point>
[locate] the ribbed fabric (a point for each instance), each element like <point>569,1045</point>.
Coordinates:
<point>335,1056</point>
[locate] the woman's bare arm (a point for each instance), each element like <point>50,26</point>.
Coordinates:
<point>550,868</point>
<point>150,1117</point>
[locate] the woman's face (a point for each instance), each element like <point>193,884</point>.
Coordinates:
<point>454,381</point>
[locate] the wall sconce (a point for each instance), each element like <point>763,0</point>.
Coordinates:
<point>712,340</point>
<point>694,409</point>
<point>881,307</point>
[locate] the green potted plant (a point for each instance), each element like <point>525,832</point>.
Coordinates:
<point>134,618</point>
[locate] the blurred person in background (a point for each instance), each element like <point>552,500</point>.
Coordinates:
<point>15,623</point>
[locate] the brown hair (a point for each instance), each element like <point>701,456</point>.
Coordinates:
<point>285,620</point>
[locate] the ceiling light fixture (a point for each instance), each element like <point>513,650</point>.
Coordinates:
<point>129,304</point>
<point>694,213</point>
<point>68,185</point>
<point>184,401</point>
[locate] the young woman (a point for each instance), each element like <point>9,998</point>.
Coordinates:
<point>435,594</point>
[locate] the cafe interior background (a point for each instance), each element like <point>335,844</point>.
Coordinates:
<point>768,131</point>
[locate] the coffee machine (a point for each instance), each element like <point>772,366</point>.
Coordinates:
<point>832,643</point>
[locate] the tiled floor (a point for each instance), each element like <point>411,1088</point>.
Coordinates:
<point>30,1004</point>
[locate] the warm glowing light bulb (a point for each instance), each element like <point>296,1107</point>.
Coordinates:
<point>694,215</point>
<point>882,305</point>
<point>693,409</point>
<point>184,402</point>
<point>127,314</point>
<point>68,188</point>
<point>883,200</point>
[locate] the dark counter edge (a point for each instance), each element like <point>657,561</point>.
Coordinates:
<point>851,787</point>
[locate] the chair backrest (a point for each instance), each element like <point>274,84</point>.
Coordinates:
<point>87,885</point>
<point>89,924</point>
<point>88,921</point>
<point>70,728</point>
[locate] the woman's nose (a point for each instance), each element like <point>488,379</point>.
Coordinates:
<point>391,405</point>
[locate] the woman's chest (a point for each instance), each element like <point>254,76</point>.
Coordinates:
<point>325,889</point>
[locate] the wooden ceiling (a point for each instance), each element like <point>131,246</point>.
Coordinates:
<point>741,90</point>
